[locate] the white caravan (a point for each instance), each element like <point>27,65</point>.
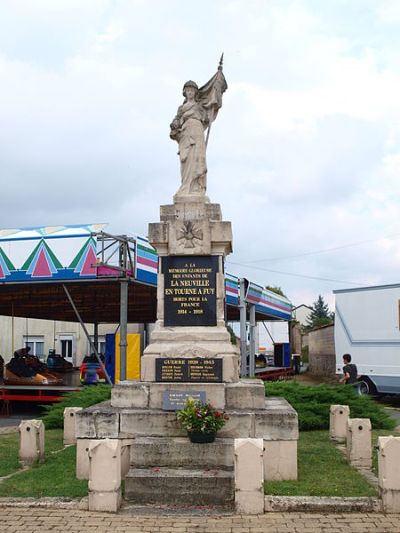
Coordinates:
<point>367,326</point>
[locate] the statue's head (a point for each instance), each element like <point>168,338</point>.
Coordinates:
<point>190,84</point>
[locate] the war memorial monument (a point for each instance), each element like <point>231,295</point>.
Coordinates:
<point>190,354</point>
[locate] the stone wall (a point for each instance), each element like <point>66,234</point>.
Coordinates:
<point>321,344</point>
<point>296,339</point>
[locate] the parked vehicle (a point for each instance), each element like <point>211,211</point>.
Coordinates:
<point>58,363</point>
<point>367,326</point>
<point>26,369</point>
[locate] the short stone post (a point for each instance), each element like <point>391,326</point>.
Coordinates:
<point>82,458</point>
<point>105,475</point>
<point>31,442</point>
<point>338,417</point>
<point>249,476</point>
<point>280,460</point>
<point>358,442</point>
<point>69,425</point>
<point>389,473</point>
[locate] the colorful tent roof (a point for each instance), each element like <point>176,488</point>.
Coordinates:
<point>50,232</point>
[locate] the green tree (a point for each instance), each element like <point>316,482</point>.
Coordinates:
<point>319,314</point>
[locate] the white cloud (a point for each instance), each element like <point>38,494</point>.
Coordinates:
<point>303,156</point>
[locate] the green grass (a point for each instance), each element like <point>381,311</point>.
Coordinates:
<point>312,404</point>
<point>9,453</point>
<point>9,447</point>
<point>55,477</point>
<point>89,395</point>
<point>323,471</point>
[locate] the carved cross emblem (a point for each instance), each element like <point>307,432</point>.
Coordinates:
<point>190,233</point>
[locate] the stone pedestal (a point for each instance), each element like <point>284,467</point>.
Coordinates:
<point>192,228</point>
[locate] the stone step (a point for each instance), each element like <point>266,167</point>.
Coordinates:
<point>277,421</point>
<point>180,486</point>
<point>180,452</point>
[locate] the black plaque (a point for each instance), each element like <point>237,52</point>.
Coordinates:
<point>190,288</point>
<point>196,370</point>
<point>171,370</point>
<point>204,370</point>
<point>174,400</point>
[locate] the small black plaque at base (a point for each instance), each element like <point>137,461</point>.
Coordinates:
<point>174,400</point>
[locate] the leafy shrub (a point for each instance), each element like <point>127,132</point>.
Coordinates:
<point>201,417</point>
<point>312,404</point>
<point>89,395</point>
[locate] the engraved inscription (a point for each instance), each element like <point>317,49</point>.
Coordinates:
<point>196,370</point>
<point>190,290</point>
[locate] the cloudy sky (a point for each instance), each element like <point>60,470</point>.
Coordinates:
<point>304,156</point>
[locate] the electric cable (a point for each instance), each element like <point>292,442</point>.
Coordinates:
<point>324,250</point>
<point>297,275</point>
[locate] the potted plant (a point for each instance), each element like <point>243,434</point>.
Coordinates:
<point>201,420</point>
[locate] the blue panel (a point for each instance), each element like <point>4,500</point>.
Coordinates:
<point>272,312</point>
<point>146,277</point>
<point>286,354</point>
<point>64,273</point>
<point>110,355</point>
<point>231,300</point>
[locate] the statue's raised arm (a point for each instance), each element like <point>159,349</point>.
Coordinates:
<point>199,109</point>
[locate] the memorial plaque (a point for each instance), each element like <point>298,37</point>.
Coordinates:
<point>204,370</point>
<point>174,400</point>
<point>196,370</point>
<point>190,289</point>
<point>170,370</point>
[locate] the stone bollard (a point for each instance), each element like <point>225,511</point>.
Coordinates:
<point>31,442</point>
<point>105,475</point>
<point>358,442</point>
<point>338,417</point>
<point>82,458</point>
<point>69,425</point>
<point>249,476</point>
<point>280,460</point>
<point>389,473</point>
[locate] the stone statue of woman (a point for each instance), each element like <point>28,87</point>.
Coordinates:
<point>193,117</point>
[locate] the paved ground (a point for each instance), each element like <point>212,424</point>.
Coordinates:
<point>20,411</point>
<point>34,520</point>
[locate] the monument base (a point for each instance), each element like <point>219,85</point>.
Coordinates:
<point>165,467</point>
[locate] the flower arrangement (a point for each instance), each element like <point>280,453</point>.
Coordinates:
<point>199,417</point>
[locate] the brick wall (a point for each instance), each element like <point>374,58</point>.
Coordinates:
<point>321,345</point>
